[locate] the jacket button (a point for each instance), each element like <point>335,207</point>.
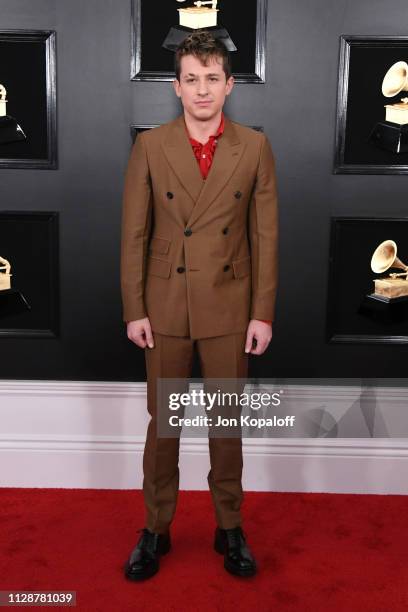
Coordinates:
<point>226,267</point>
<point>237,194</point>
<point>180,269</point>
<point>188,232</point>
<point>225,230</point>
<point>170,195</point>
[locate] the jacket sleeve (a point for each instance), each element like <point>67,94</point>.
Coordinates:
<point>263,237</point>
<point>136,225</point>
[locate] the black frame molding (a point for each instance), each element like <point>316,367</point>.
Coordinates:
<point>136,128</point>
<point>340,166</point>
<point>138,74</point>
<point>52,220</point>
<point>332,337</point>
<point>49,37</point>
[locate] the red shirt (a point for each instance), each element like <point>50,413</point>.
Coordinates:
<point>204,154</point>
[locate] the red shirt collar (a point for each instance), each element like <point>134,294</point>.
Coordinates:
<point>219,132</point>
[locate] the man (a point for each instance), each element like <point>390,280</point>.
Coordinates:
<point>198,269</point>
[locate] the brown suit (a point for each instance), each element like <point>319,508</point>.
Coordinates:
<point>199,258</point>
<point>211,254</point>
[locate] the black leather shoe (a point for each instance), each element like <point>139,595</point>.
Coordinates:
<point>238,559</point>
<point>144,559</point>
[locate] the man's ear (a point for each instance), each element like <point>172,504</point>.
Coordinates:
<point>176,85</point>
<point>230,85</point>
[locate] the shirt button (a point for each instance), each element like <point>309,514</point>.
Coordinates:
<point>203,156</point>
<point>188,232</point>
<point>225,230</point>
<point>226,267</point>
<point>170,195</point>
<point>237,194</point>
<point>180,269</point>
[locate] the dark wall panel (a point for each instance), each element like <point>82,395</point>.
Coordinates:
<point>96,105</point>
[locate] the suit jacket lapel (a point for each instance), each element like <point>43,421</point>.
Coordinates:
<point>181,158</point>
<point>180,155</point>
<point>227,154</point>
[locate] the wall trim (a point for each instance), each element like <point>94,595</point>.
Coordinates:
<point>85,434</point>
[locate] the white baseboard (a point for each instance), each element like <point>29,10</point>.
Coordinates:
<point>91,435</point>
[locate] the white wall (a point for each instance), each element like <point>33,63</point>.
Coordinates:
<point>91,435</point>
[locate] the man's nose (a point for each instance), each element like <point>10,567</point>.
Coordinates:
<point>202,88</point>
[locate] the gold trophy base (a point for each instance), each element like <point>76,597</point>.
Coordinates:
<point>5,282</point>
<point>391,287</point>
<point>397,113</point>
<point>197,18</point>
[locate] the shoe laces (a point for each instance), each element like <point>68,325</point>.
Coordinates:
<point>234,536</point>
<point>148,540</point>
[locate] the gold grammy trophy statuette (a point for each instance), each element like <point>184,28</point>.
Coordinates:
<point>12,302</point>
<point>395,285</point>
<point>388,304</point>
<point>5,276</point>
<point>392,134</point>
<point>10,130</point>
<point>202,16</point>
<point>199,16</point>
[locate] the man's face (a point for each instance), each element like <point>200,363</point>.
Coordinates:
<point>202,89</point>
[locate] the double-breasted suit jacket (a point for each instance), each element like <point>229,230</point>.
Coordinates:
<point>199,257</point>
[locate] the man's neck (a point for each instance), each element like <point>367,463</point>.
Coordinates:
<point>202,130</point>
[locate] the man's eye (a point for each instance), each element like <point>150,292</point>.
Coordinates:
<point>190,80</point>
<point>213,79</point>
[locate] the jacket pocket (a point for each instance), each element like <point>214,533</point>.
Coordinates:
<point>241,267</point>
<point>158,267</point>
<point>159,245</point>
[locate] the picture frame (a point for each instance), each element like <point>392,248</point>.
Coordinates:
<point>150,26</point>
<point>362,142</point>
<point>28,64</point>
<point>136,129</point>
<point>353,241</point>
<point>29,241</point>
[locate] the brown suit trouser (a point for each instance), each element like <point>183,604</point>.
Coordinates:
<point>172,357</point>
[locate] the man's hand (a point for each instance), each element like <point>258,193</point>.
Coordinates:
<point>262,333</point>
<point>140,333</point>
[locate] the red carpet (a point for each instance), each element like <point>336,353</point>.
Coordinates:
<point>316,552</point>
